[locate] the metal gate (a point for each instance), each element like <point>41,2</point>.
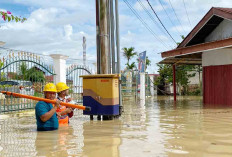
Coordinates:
<point>24,73</point>
<point>75,82</point>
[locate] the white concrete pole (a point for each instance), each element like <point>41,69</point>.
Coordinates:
<point>152,85</point>
<point>59,65</point>
<point>142,86</point>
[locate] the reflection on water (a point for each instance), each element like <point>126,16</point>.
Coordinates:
<point>157,127</point>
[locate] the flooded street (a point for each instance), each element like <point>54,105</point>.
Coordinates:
<point>158,128</point>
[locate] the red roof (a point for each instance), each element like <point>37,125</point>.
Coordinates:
<point>194,41</point>
<point>220,13</point>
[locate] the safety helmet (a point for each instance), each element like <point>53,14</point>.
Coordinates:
<point>50,87</point>
<point>61,86</point>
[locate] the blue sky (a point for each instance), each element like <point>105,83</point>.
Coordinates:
<point>57,26</point>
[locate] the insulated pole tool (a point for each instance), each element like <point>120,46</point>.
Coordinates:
<point>86,108</point>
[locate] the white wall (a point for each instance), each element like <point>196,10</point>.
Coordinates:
<point>217,57</point>
<point>222,31</point>
<point>195,80</point>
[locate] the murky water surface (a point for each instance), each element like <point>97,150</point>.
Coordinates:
<point>158,128</point>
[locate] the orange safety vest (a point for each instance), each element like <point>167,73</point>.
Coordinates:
<point>64,119</point>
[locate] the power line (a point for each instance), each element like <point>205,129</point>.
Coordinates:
<point>176,16</point>
<point>145,24</point>
<point>160,21</point>
<point>169,18</point>
<point>187,14</point>
<point>153,19</point>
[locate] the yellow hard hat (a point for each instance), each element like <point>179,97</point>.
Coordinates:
<point>50,87</point>
<point>61,86</point>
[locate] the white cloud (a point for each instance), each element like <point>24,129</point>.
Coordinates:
<point>58,26</point>
<point>4,10</point>
<point>68,31</point>
<point>51,30</point>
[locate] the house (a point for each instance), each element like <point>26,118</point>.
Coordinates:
<point>209,44</point>
<point>153,88</point>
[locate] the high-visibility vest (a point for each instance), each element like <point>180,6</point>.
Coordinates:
<point>64,119</point>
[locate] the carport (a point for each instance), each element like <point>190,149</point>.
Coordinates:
<point>209,44</point>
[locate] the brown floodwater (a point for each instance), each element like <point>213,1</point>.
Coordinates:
<point>157,128</point>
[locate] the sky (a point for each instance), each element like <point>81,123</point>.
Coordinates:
<point>58,26</point>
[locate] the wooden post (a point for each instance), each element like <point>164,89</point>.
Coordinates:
<point>174,81</point>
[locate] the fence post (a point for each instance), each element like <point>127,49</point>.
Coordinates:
<point>59,65</point>
<point>152,85</point>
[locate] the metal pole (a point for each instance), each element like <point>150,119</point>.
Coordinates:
<point>112,20</point>
<point>117,37</point>
<point>98,37</point>
<point>174,81</point>
<point>109,34</point>
<point>118,50</point>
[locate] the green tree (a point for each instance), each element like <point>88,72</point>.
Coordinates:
<point>129,53</point>
<point>22,71</point>
<point>34,75</point>
<point>31,74</point>
<point>148,62</point>
<point>2,74</point>
<point>131,66</point>
<point>182,74</point>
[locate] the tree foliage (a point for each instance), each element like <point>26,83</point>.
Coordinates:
<point>7,16</point>
<point>183,73</point>
<point>148,62</point>
<point>31,74</point>
<point>129,53</point>
<point>131,66</point>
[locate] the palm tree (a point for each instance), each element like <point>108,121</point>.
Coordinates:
<point>129,53</point>
<point>130,66</point>
<point>148,62</point>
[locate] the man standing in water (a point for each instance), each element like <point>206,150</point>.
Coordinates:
<point>45,112</point>
<point>66,113</point>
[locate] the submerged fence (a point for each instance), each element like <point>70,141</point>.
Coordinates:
<point>27,73</point>
<point>131,84</point>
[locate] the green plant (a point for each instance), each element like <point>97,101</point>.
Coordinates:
<point>129,53</point>
<point>37,94</point>
<point>71,91</point>
<point>195,92</point>
<point>5,86</point>
<point>131,66</point>
<point>182,75</point>
<point>7,16</point>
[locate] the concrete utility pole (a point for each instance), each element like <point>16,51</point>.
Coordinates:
<point>84,50</point>
<point>102,17</point>
<point>108,43</point>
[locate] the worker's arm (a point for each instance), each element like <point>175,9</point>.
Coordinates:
<point>50,113</point>
<point>66,111</point>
